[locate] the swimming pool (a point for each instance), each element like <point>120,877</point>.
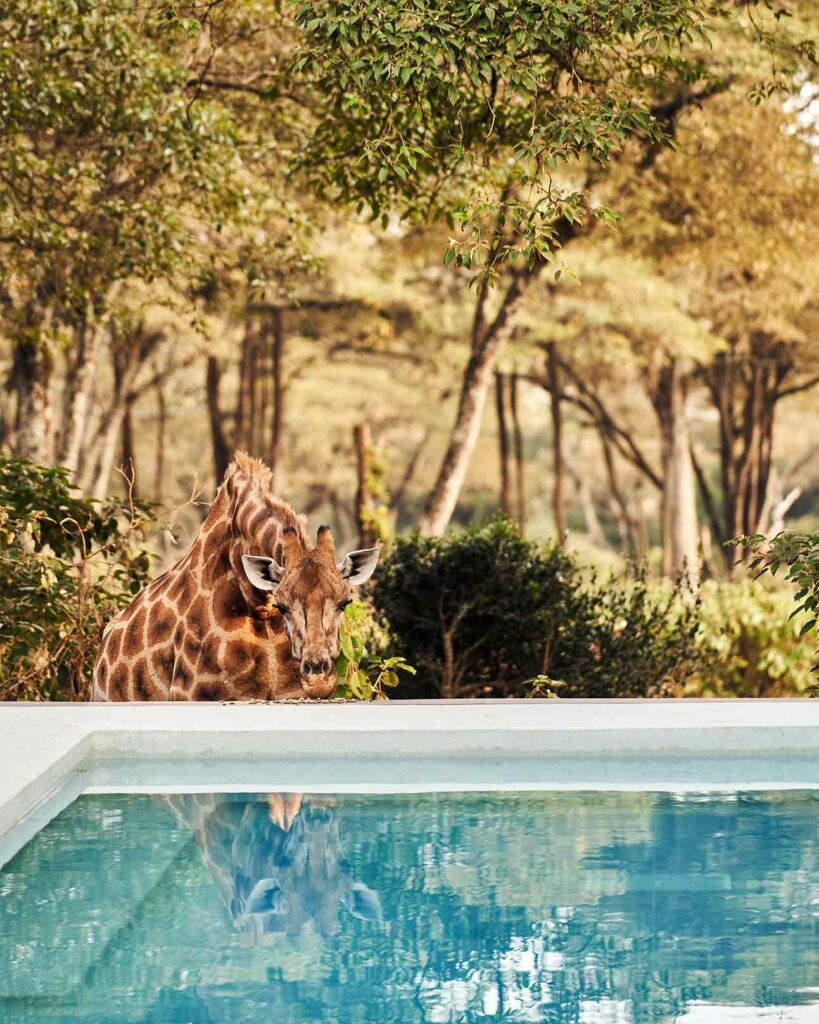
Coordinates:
<point>559,862</point>
<point>561,907</point>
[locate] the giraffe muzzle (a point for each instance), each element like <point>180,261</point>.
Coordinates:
<point>318,676</point>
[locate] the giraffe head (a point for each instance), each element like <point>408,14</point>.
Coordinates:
<point>311,590</point>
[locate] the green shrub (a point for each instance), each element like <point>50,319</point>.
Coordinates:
<point>751,645</point>
<point>798,554</point>
<point>629,638</point>
<point>365,667</point>
<point>487,613</point>
<point>67,565</point>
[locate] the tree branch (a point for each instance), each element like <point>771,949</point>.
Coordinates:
<point>796,389</point>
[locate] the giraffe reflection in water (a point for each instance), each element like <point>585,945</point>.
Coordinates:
<point>278,863</point>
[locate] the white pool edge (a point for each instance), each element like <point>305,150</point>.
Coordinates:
<point>49,753</point>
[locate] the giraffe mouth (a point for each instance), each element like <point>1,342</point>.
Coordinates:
<point>319,687</point>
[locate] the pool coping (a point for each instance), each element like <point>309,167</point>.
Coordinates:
<point>50,753</point>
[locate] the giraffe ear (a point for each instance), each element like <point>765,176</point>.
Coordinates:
<point>263,573</point>
<point>358,566</point>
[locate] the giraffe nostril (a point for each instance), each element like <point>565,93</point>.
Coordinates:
<point>317,667</point>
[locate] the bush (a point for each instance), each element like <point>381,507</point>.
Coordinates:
<point>67,565</point>
<point>750,645</point>
<point>628,639</point>
<point>365,667</point>
<point>487,613</point>
<point>798,553</point>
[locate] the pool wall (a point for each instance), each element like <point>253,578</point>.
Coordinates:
<point>50,753</point>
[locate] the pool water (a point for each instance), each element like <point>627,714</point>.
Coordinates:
<point>566,908</point>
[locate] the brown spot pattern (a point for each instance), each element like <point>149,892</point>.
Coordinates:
<point>193,632</point>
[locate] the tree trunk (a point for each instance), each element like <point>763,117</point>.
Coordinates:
<point>128,357</point>
<point>629,533</point>
<point>161,434</point>
<point>517,442</point>
<point>397,496</point>
<point>222,451</point>
<point>107,450</point>
<point>362,441</point>
<point>558,502</point>
<point>32,378</point>
<point>680,527</point>
<point>128,452</point>
<point>745,389</point>
<point>504,495</point>
<point>277,359</point>
<point>81,393</point>
<point>243,433</point>
<point>112,429</point>
<point>585,498</point>
<point>487,339</point>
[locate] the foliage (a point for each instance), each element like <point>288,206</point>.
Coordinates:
<point>363,666</point>
<point>465,109</point>
<point>94,118</point>
<point>750,647</point>
<point>487,613</point>
<point>118,164</point>
<point>629,639</point>
<point>67,565</point>
<point>798,553</point>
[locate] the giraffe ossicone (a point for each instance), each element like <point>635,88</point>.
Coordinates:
<point>251,612</point>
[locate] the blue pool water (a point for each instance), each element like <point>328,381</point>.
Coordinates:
<point>565,908</point>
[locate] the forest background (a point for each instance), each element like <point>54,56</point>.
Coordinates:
<point>432,262</point>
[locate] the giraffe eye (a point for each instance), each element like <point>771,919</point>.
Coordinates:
<point>283,608</point>
<point>343,604</point>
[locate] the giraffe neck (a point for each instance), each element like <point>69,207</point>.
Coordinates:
<point>243,521</point>
<point>197,632</point>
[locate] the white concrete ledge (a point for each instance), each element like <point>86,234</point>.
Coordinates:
<point>49,753</point>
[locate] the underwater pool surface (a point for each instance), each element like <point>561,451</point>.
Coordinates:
<point>558,907</point>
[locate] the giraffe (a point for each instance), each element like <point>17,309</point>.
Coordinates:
<point>277,861</point>
<point>251,612</point>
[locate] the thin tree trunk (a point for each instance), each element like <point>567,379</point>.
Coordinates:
<point>8,426</point>
<point>125,372</point>
<point>262,377</point>
<point>505,498</point>
<point>362,441</point>
<point>408,475</point>
<point>680,526</point>
<point>628,528</point>
<point>277,358</point>
<point>32,376</point>
<point>222,451</point>
<point>745,391</point>
<point>517,442</point>
<point>78,407</point>
<point>487,339</point>
<point>107,450</point>
<point>591,520</point>
<point>128,452</point>
<point>161,433</point>
<point>555,391</point>
<point>717,527</point>
<point>721,380</point>
<point>244,424</point>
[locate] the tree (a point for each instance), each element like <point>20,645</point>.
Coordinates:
<point>124,160</point>
<point>734,223</point>
<point>491,115</point>
<point>103,158</point>
<point>623,334</point>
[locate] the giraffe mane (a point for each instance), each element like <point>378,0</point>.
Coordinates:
<point>260,477</point>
